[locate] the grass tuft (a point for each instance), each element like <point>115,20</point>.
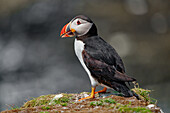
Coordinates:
<point>62,101</point>
<point>46,107</point>
<point>103,102</point>
<point>96,103</point>
<point>46,99</point>
<point>144,94</point>
<point>110,101</point>
<point>127,108</point>
<point>120,107</point>
<point>42,100</point>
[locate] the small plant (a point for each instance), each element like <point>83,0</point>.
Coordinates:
<point>63,104</point>
<point>62,101</point>
<point>96,103</point>
<point>129,109</point>
<point>102,102</point>
<point>144,94</point>
<point>46,99</point>
<point>42,100</point>
<point>134,109</point>
<point>45,107</point>
<point>110,101</point>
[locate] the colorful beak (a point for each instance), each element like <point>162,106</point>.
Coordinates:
<point>67,32</point>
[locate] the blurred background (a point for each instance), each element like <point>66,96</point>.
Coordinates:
<point>35,61</point>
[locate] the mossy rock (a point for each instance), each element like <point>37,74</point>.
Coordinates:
<point>69,103</point>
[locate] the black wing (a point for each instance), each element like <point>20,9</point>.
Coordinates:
<point>106,65</point>
<point>97,48</point>
<point>103,72</point>
<point>107,75</point>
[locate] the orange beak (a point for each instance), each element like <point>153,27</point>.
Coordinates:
<point>67,31</point>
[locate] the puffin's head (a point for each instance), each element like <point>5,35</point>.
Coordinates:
<point>79,26</point>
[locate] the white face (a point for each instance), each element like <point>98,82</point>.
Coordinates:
<point>80,26</point>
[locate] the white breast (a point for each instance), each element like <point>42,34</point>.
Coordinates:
<point>79,47</point>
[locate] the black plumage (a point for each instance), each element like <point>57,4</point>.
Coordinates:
<point>97,48</point>
<point>100,60</point>
<point>104,63</point>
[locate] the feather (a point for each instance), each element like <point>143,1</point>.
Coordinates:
<point>107,74</point>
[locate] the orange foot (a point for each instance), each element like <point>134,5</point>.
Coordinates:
<point>101,91</point>
<point>91,96</point>
<point>93,93</point>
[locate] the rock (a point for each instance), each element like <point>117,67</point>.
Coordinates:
<point>69,103</point>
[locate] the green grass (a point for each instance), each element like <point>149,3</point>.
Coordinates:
<point>62,101</point>
<point>42,100</point>
<point>96,103</point>
<point>127,109</point>
<point>46,107</point>
<point>46,99</point>
<point>102,102</point>
<point>144,94</point>
<point>110,101</point>
<point>63,104</point>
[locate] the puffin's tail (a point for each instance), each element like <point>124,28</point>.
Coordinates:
<point>122,88</point>
<point>134,94</point>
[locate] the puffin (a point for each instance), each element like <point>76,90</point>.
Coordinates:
<point>99,59</point>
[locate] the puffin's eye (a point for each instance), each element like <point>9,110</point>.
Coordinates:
<point>78,22</point>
